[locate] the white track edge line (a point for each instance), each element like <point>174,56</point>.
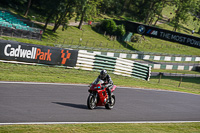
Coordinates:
<point>39,83</point>
<point>125,122</point>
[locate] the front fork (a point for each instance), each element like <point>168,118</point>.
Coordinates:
<point>94,96</point>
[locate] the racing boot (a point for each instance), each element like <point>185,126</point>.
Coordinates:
<point>109,95</point>
<point>110,100</point>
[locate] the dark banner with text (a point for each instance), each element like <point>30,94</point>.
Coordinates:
<point>160,33</point>
<point>17,51</point>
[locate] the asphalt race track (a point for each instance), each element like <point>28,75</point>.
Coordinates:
<point>33,102</point>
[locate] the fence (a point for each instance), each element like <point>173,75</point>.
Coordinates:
<point>175,74</point>
<point>189,81</point>
<point>118,66</point>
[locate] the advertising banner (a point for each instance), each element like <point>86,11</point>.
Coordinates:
<point>16,51</point>
<point>160,33</point>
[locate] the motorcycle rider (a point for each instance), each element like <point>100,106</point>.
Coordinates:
<point>107,79</point>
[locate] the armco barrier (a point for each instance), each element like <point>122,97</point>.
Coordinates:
<point>156,65</point>
<point>175,67</point>
<point>149,57</point>
<point>132,54</point>
<point>91,61</point>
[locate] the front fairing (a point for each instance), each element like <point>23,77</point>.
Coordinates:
<point>95,87</point>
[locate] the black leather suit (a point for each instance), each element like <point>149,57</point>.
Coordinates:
<point>108,81</point>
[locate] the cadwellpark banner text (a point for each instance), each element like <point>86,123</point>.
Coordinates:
<point>31,53</point>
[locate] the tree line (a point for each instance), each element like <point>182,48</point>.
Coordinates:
<point>145,11</point>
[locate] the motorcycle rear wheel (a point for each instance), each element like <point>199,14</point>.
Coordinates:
<point>112,103</point>
<point>91,102</point>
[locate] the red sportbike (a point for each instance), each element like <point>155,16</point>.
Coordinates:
<point>99,97</point>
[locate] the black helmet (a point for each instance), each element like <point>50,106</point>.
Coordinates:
<point>103,74</point>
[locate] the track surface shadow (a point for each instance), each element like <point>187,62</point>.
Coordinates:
<point>79,106</point>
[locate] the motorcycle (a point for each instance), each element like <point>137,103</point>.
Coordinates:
<point>99,96</point>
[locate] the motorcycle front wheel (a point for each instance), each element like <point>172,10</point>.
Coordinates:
<point>112,103</point>
<point>91,101</point>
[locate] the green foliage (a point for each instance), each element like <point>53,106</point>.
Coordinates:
<point>112,7</point>
<point>184,7</point>
<point>103,24</point>
<point>120,31</point>
<point>147,11</point>
<point>111,28</point>
<point>86,10</point>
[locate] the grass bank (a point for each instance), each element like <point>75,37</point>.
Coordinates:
<point>16,72</point>
<point>106,128</point>
<point>91,38</point>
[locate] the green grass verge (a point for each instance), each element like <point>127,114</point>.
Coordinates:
<point>176,71</point>
<point>16,72</point>
<point>105,128</point>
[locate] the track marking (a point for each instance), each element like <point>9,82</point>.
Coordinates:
<point>125,122</point>
<point>38,83</point>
